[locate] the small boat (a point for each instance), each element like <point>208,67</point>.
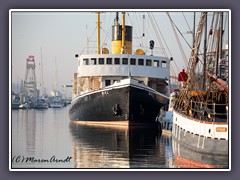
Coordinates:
<point>56,105</point>
<point>56,102</point>
<point>25,106</point>
<point>40,104</point>
<point>165,117</point>
<point>15,102</point>
<point>165,122</point>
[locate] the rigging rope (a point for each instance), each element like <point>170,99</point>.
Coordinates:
<point>187,22</point>
<point>178,41</point>
<point>156,29</point>
<point>107,34</point>
<point>162,37</point>
<point>135,32</point>
<point>88,40</point>
<point>178,29</point>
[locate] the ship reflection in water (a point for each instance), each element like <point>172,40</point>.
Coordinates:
<point>44,134</point>
<point>119,147</point>
<point>188,158</point>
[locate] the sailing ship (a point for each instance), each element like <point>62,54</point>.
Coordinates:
<point>120,87</point>
<point>200,114</point>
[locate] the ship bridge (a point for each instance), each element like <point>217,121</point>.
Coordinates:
<point>123,65</point>
<point>98,71</point>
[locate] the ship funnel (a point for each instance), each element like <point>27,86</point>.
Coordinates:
<point>117,38</point>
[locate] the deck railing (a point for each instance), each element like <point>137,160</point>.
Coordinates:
<point>209,111</point>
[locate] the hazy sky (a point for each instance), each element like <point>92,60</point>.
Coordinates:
<point>61,35</point>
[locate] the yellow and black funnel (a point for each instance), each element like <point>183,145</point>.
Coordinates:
<point>121,37</point>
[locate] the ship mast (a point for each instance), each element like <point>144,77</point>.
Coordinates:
<point>42,87</point>
<point>194,54</point>
<point>220,44</point>
<point>192,85</point>
<point>205,55</point>
<point>199,89</point>
<point>98,32</point>
<point>123,33</point>
<point>55,80</point>
<point>194,24</point>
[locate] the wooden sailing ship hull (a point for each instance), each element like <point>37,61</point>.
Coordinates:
<point>129,104</point>
<point>199,142</point>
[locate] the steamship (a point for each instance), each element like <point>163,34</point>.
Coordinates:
<point>119,87</point>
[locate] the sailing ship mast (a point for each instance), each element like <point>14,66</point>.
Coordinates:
<point>55,90</point>
<point>42,87</point>
<point>203,87</point>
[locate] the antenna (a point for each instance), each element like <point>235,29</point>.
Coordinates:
<point>143,26</point>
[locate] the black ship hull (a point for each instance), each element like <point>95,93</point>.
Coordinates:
<point>130,104</point>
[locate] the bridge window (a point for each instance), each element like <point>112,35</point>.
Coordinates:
<point>148,62</point>
<point>140,62</point>
<point>156,63</point>
<point>93,61</point>
<point>85,61</point>
<point>164,64</point>
<point>109,60</point>
<point>124,60</point>
<point>107,82</point>
<point>133,61</point>
<point>116,60</point>
<point>101,61</point>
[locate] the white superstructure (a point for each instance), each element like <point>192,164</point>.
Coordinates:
<point>101,70</point>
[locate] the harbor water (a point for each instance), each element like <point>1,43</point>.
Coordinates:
<point>48,139</point>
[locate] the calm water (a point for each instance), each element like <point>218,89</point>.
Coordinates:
<point>47,139</point>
